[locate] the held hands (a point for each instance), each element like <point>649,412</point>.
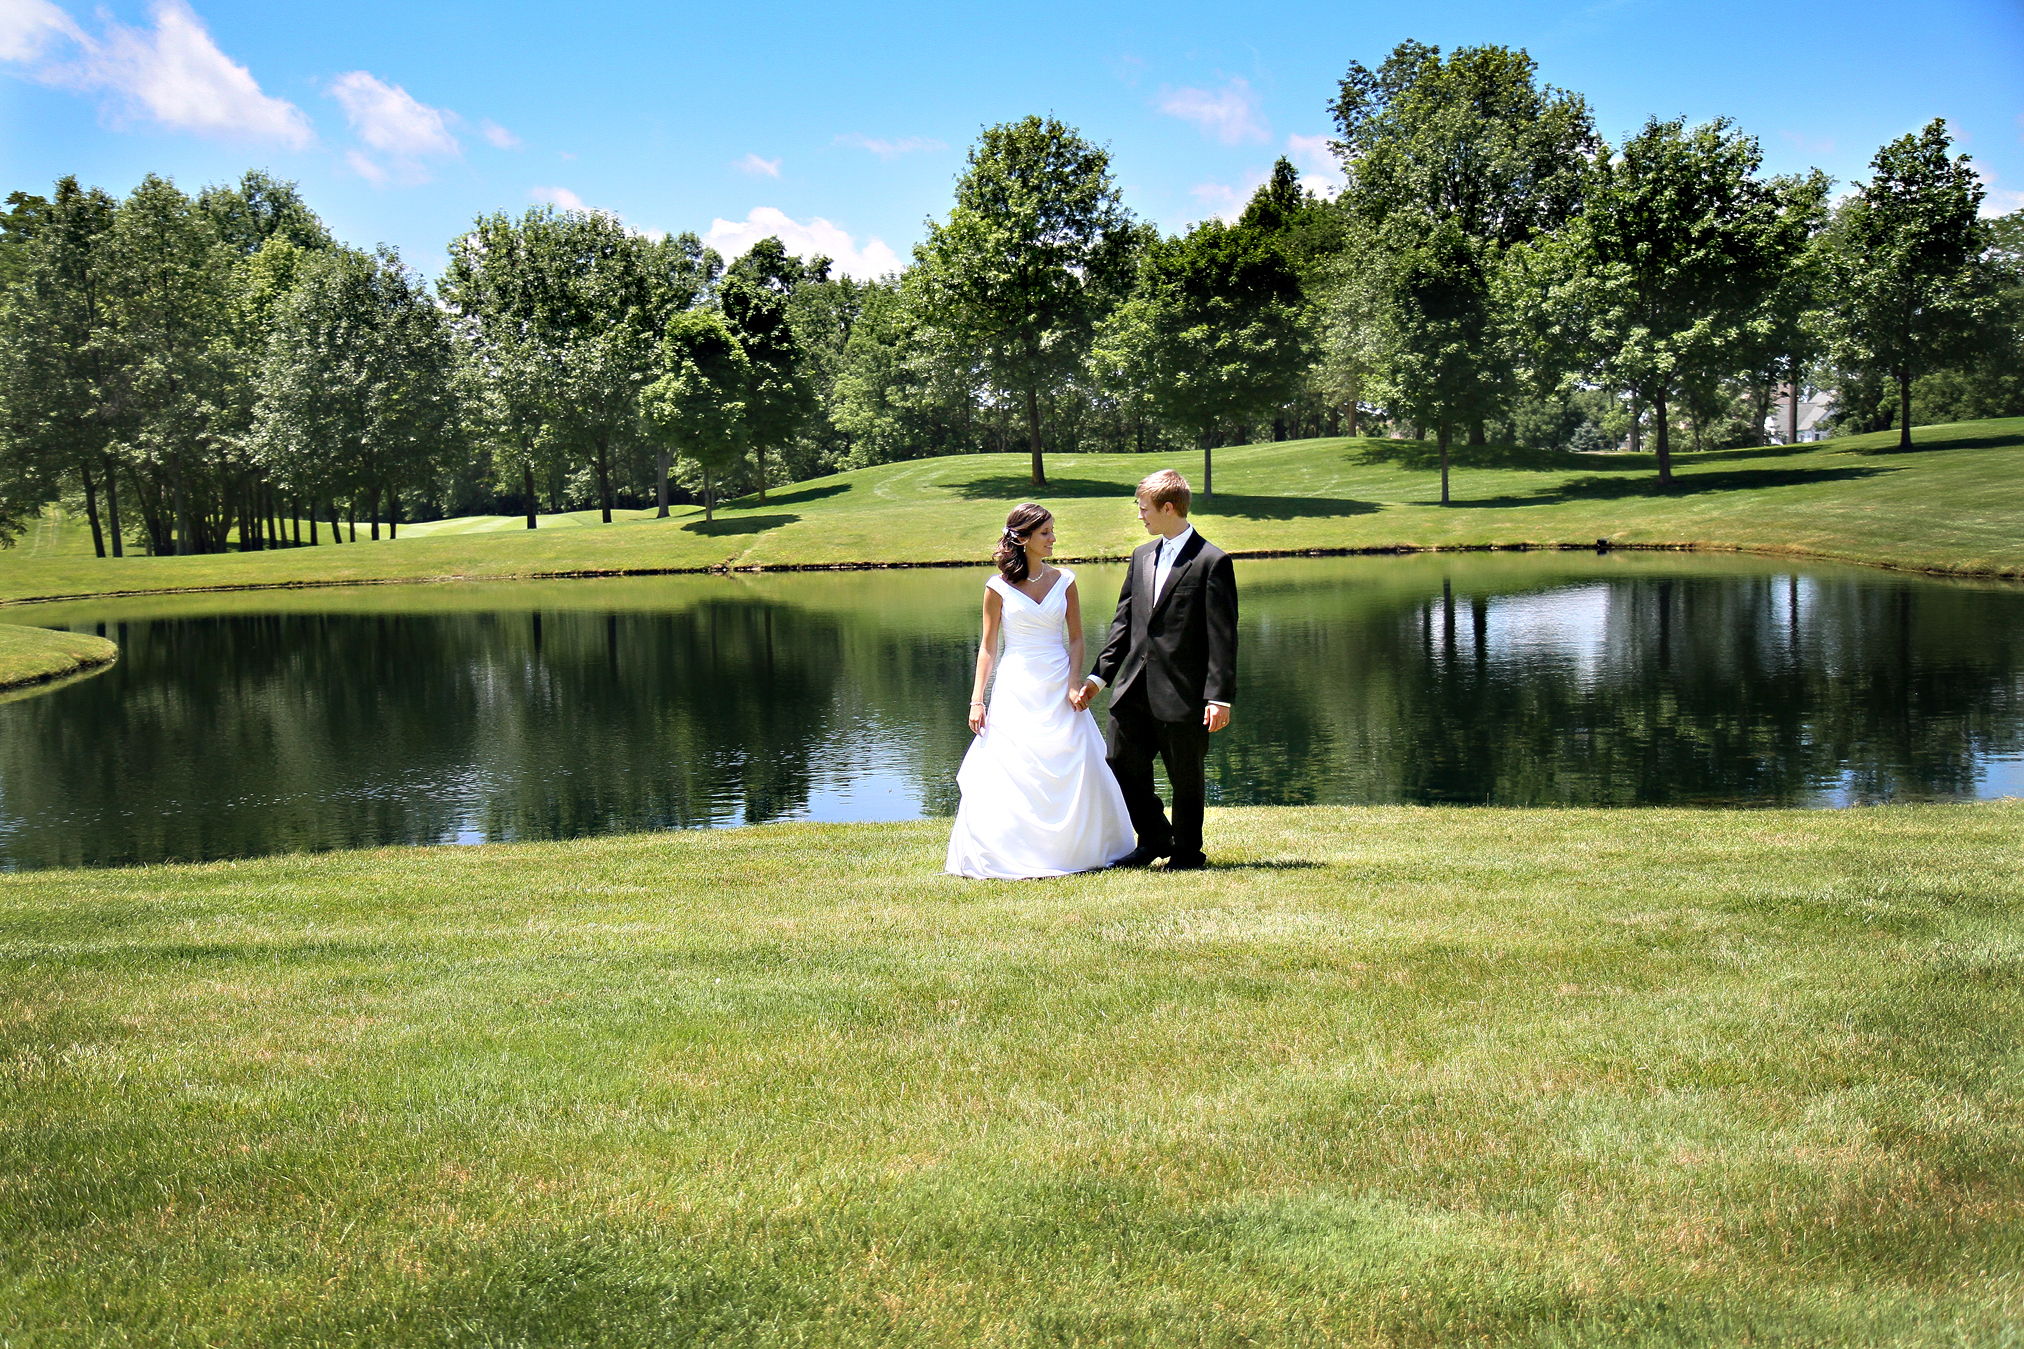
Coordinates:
<point>1081,696</point>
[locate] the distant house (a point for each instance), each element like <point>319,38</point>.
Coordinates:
<point>1814,406</point>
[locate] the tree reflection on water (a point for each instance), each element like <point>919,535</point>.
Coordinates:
<point>345,720</point>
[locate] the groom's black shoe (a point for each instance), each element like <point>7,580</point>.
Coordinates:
<point>1139,857</point>
<point>1191,862</point>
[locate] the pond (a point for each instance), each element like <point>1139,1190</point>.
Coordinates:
<point>237,725</point>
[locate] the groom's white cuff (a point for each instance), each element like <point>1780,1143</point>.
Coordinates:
<point>1100,684</point>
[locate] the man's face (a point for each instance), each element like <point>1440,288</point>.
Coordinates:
<point>1150,515</point>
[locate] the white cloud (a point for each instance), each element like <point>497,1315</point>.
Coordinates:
<point>1997,200</point>
<point>172,74</point>
<point>1229,114</point>
<point>498,135</point>
<point>733,237</point>
<point>28,27</point>
<point>366,168</point>
<point>1320,171</point>
<point>757,167</point>
<point>391,120</point>
<point>891,150</point>
<point>558,196</point>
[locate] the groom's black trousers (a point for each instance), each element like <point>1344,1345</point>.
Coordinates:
<point>1136,736</point>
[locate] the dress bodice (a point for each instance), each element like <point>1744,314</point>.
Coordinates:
<point>1030,624</point>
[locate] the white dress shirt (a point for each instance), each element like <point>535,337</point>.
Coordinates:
<point>1163,567</point>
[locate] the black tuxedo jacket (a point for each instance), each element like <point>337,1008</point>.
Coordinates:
<point>1184,644</point>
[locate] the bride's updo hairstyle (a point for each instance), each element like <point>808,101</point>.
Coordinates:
<point>1011,553</point>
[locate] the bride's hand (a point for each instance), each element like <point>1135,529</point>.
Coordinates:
<point>976,718</point>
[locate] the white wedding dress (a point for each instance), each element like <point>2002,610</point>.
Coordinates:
<point>1038,799</point>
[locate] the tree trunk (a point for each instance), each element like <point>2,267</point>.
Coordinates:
<point>1349,429</point>
<point>1904,379</point>
<point>393,512</point>
<point>91,508</point>
<point>709,499</point>
<point>271,501</point>
<point>604,476</point>
<point>1208,462</point>
<point>1636,426</point>
<point>372,502</point>
<point>1278,429</point>
<point>1792,406</point>
<point>661,484</point>
<point>295,520</point>
<point>312,522</point>
<point>1660,424</point>
<point>112,509</point>
<point>1033,435</point>
<point>759,453</point>
<point>1476,433</point>
<point>527,489</point>
<point>182,514</point>
<point>1444,434</point>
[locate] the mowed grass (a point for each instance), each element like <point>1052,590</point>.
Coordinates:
<point>37,655</point>
<point>1955,504</point>
<point>1386,1076</point>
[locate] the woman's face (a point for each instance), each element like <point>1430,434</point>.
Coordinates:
<point>1040,542</point>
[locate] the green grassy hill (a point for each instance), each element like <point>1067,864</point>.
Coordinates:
<point>1955,504</point>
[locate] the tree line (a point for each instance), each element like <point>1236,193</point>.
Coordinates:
<point>211,371</point>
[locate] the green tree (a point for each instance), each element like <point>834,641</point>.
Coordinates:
<point>1218,326</point>
<point>1451,164</point>
<point>357,389</point>
<point>169,287</point>
<point>1664,277</point>
<point>697,404</point>
<point>59,401</point>
<point>18,224</point>
<point>491,288</point>
<point>1034,252</point>
<point>1911,294</point>
<point>1444,354</point>
<point>755,297</point>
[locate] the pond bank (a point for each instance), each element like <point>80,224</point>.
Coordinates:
<point>30,657</point>
<point>1600,1077</point>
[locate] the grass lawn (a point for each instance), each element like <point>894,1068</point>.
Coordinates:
<point>1955,505</point>
<point>1391,1075</point>
<point>37,655</point>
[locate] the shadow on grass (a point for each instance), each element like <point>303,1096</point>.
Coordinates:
<point>1424,454</point>
<point>1018,487</point>
<point>1275,864</point>
<point>803,494</point>
<point>1989,441</point>
<point>1282,508</point>
<point>1684,485</point>
<point>744,524</point>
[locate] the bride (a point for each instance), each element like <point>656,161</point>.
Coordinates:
<point>1038,799</point>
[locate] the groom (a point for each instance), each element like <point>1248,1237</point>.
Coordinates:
<point>1172,660</point>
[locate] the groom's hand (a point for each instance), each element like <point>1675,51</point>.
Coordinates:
<point>1215,716</point>
<point>1081,697</point>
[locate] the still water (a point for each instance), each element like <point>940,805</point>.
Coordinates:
<point>240,725</point>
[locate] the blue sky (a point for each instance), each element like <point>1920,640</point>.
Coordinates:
<point>843,128</point>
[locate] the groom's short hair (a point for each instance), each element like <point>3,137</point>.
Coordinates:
<point>1166,488</point>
